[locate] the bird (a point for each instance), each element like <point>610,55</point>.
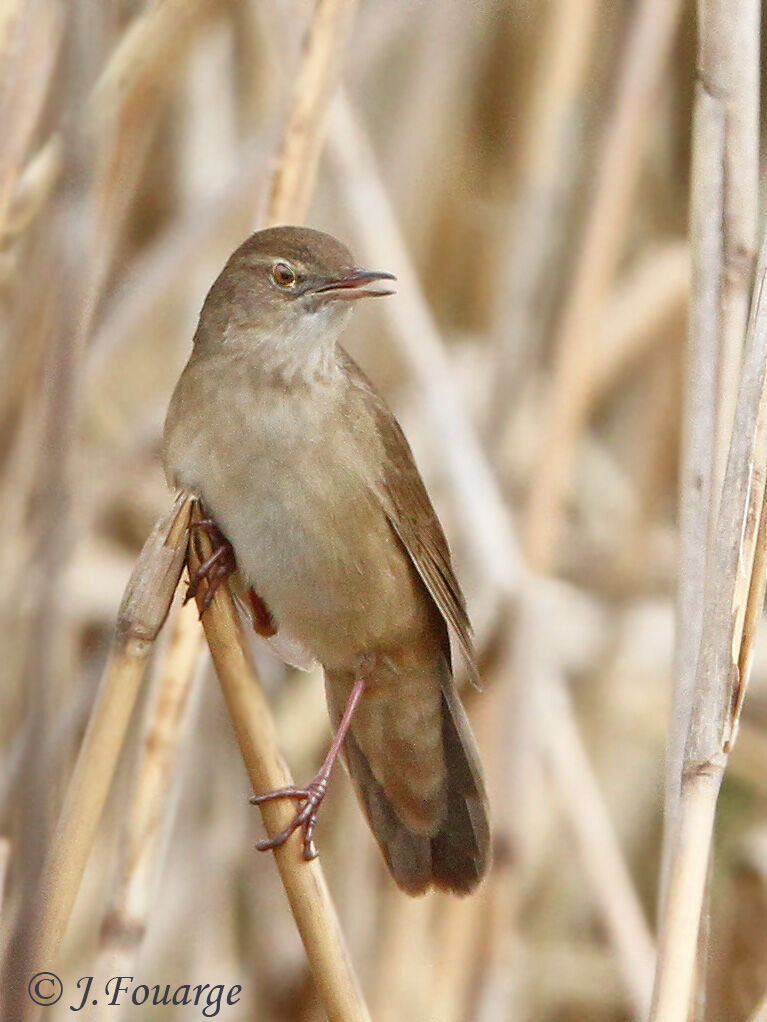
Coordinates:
<point>323,527</point>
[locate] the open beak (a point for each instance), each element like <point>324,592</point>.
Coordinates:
<point>355,285</point>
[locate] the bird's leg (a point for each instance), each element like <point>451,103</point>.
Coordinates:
<point>217,568</point>
<point>314,793</point>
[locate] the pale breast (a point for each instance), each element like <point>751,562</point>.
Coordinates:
<point>289,474</point>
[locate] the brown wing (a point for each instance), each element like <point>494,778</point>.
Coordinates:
<point>410,512</point>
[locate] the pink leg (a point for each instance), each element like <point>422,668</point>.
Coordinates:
<point>312,796</point>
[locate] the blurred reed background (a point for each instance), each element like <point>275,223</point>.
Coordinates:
<point>524,169</point>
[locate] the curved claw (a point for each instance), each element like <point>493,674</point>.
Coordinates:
<point>306,816</point>
<point>303,818</point>
<point>310,849</point>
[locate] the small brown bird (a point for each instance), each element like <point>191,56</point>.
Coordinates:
<point>320,515</point>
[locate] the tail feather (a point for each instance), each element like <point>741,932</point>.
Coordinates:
<point>408,855</point>
<point>461,849</point>
<point>456,856</point>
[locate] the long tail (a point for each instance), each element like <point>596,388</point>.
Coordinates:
<point>456,854</point>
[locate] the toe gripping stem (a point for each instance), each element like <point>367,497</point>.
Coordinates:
<point>312,795</point>
<point>217,568</point>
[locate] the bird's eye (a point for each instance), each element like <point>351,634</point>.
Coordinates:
<point>283,275</point>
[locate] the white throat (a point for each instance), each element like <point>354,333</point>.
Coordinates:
<point>303,351</point>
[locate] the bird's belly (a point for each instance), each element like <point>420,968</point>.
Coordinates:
<point>324,559</point>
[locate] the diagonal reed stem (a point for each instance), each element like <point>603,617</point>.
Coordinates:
<point>142,614</point>
<point>304,882</point>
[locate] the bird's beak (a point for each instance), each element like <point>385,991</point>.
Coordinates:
<point>354,285</point>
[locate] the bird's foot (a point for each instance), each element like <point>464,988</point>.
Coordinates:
<point>217,568</point>
<point>306,817</point>
<point>314,793</point>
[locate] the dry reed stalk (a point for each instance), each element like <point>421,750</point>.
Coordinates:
<point>119,122</point>
<point>120,155</point>
<point>143,56</point>
<point>434,108</point>
<point>141,59</point>
<point>460,928</point>
<point>656,458</point>
<point>303,881</point>
<point>71,721</point>
<point>140,848</point>
<point>10,14</point>
<point>650,298</point>
<point>292,181</point>
<point>750,754</point>
<point>135,63</point>
<point>618,162</point>
<point>541,198</point>
<point>301,718</point>
<point>290,190</point>
<point>607,875</point>
<point>94,212</point>
<point>48,505</point>
<point>404,963</point>
<point>34,184</point>
<point>170,260</point>
<point>653,294</point>
<point>17,483</point>
<point>734,588</point>
<point>559,975</point>
<point>738,964</point>
<point>357,880</point>
<point>560,747</point>
<point>315,85</point>
<point>5,855</point>
<point>754,606</point>
<point>513,773</point>
<point>143,611</point>
<point>724,188</point>
<point>30,35</point>
<point>760,1012</point>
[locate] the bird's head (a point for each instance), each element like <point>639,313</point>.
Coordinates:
<point>286,293</point>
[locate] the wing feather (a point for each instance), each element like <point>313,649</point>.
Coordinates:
<point>410,512</point>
